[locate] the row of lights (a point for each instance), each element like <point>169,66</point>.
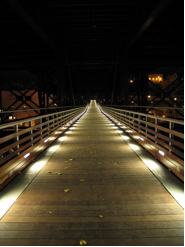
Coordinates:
<point>129,131</point>
<point>58,132</point>
<point>152,165</point>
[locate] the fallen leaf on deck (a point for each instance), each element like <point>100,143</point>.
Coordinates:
<point>91,152</point>
<point>50,212</point>
<point>99,163</point>
<point>81,180</point>
<point>67,190</point>
<point>48,172</point>
<point>83,242</point>
<point>66,161</point>
<point>101,216</point>
<point>70,159</point>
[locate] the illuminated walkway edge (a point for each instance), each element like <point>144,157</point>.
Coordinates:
<point>13,190</point>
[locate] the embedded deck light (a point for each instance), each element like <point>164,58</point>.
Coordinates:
<point>45,140</point>
<point>26,155</point>
<point>161,152</point>
<point>123,127</point>
<point>142,139</point>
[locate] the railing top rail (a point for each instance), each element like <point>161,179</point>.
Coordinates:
<point>155,107</point>
<point>181,122</point>
<point>37,109</point>
<point>10,124</point>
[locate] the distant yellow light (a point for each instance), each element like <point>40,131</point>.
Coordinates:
<point>10,117</point>
<point>149,96</point>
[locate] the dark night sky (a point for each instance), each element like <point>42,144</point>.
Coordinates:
<point>90,39</point>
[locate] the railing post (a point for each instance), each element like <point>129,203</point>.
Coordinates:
<point>40,121</point>
<point>139,122</point>
<point>31,132</point>
<point>133,119</point>
<point>146,126</point>
<point>16,130</point>
<point>171,126</point>
<point>52,117</point>
<point>156,129</point>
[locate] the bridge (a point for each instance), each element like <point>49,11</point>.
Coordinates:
<point>92,122</point>
<point>92,182</point>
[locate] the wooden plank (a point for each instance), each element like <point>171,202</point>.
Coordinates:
<point>176,224</point>
<point>69,219</point>
<point>173,241</point>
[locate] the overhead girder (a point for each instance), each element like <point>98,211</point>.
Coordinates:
<point>27,17</point>
<point>149,21</point>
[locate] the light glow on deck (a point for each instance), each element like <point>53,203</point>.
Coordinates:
<point>53,148</point>
<point>38,166</point>
<point>62,138</point>
<point>125,137</point>
<point>67,132</point>
<point>134,147</point>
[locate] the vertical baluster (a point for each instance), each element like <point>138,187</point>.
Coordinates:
<point>40,121</point>
<point>171,126</point>
<point>156,129</point>
<point>16,130</point>
<point>146,126</point>
<point>31,132</point>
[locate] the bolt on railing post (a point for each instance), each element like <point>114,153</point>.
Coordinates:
<point>31,132</point>
<point>16,130</point>
<point>171,126</point>
<point>156,129</point>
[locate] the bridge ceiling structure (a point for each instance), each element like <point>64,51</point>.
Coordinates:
<point>90,38</point>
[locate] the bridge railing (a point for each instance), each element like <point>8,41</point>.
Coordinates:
<point>21,145</point>
<point>162,137</point>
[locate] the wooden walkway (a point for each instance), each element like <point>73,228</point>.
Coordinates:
<point>114,199</point>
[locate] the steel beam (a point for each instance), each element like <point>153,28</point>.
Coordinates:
<point>149,21</point>
<point>27,17</point>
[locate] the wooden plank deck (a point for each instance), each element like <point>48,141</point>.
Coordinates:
<point>105,177</point>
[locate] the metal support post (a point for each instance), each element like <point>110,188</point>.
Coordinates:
<point>146,119</point>
<point>156,123</point>
<point>16,130</point>
<point>31,132</point>
<point>171,127</point>
<point>40,121</point>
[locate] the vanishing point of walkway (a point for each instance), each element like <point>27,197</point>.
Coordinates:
<point>114,199</point>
